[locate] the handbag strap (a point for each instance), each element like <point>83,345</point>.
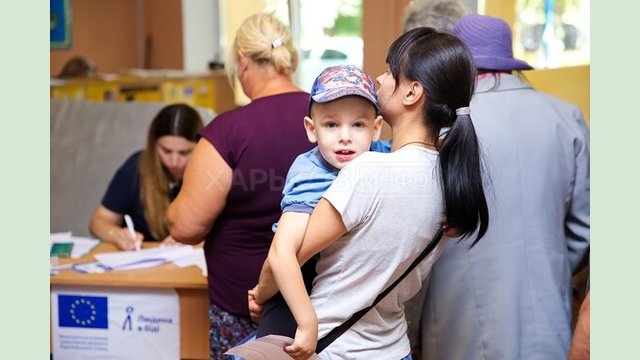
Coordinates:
<point>342,328</point>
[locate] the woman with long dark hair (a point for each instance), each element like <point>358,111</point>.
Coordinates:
<point>384,209</point>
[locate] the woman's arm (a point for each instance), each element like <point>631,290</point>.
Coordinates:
<point>106,225</point>
<point>206,184</point>
<point>325,227</point>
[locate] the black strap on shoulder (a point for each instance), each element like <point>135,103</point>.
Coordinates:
<point>339,330</point>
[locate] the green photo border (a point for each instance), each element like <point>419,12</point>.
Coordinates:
<point>64,28</point>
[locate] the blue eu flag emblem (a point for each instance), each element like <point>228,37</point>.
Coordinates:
<point>83,311</point>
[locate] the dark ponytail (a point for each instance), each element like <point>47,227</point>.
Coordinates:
<point>444,67</point>
<point>460,163</point>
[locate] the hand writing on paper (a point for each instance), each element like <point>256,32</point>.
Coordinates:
<point>123,239</point>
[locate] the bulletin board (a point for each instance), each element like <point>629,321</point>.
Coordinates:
<point>60,24</point>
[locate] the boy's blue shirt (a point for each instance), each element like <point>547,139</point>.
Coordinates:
<point>310,176</point>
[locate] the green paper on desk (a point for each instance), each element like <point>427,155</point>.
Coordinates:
<point>61,250</point>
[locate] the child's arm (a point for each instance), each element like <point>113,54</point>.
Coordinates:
<point>324,227</point>
<point>288,237</point>
<point>285,269</point>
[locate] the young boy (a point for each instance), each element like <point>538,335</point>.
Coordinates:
<point>343,121</point>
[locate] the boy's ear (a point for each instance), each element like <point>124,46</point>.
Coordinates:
<point>311,129</point>
<point>413,93</point>
<point>377,128</point>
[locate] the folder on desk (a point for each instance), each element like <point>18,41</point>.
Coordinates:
<point>61,250</point>
<point>76,245</point>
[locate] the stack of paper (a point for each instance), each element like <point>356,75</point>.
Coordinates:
<point>182,256</point>
<point>195,259</point>
<point>127,260</point>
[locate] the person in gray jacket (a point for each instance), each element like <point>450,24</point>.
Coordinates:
<point>509,296</point>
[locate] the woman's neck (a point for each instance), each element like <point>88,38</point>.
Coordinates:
<point>268,82</point>
<point>410,130</point>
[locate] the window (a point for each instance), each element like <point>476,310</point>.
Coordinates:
<point>331,54</point>
<point>552,33</point>
<point>328,33</point>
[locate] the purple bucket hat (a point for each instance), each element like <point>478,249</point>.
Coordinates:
<point>343,80</point>
<point>489,39</point>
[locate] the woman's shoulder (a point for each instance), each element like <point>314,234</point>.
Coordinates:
<point>370,161</point>
<point>285,103</point>
<point>247,113</point>
<point>131,164</point>
<point>374,157</point>
<point>288,98</point>
<point>283,97</point>
<point>127,173</point>
<point>135,157</point>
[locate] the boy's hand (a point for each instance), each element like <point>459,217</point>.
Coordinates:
<point>255,309</point>
<point>304,344</point>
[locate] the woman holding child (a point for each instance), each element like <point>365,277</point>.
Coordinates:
<point>383,209</point>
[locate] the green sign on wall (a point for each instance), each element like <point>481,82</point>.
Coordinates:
<point>60,24</point>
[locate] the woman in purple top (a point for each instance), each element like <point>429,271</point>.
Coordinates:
<point>233,183</point>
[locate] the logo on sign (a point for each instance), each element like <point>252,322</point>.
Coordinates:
<point>83,311</point>
<point>126,325</point>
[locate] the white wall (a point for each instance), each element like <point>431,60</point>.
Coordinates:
<point>200,26</point>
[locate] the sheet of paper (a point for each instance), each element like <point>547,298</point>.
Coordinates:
<point>127,260</point>
<point>195,259</point>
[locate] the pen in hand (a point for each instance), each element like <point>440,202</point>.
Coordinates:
<point>132,230</point>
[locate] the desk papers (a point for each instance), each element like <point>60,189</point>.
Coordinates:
<point>81,245</point>
<point>128,260</point>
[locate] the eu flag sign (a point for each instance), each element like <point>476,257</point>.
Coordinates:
<point>83,311</point>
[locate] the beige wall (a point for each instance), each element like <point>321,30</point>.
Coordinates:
<point>108,33</point>
<point>163,34</point>
<point>381,25</point>
<point>235,13</point>
<point>571,84</point>
<point>104,31</point>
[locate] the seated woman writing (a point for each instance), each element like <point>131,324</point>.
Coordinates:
<point>148,181</point>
